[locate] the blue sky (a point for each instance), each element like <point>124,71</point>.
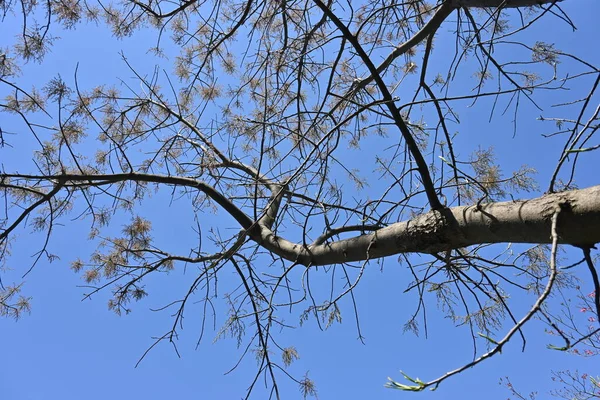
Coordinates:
<point>71,349</point>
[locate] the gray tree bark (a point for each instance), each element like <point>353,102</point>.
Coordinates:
<point>525,221</point>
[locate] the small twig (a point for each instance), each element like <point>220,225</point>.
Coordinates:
<point>516,328</point>
<point>594,273</point>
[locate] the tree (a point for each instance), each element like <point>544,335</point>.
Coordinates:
<point>263,132</point>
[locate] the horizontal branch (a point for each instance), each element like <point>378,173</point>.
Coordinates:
<point>91,180</point>
<point>527,221</point>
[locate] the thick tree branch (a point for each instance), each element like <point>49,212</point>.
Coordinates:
<point>516,328</point>
<point>526,221</point>
<point>66,180</point>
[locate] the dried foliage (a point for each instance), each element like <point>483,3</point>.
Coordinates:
<point>300,123</point>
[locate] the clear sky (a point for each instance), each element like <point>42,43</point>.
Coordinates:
<point>73,349</point>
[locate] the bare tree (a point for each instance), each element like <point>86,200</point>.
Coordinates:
<point>255,121</point>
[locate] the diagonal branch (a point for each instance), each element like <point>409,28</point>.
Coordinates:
<point>411,144</point>
<point>554,238</point>
<point>428,29</point>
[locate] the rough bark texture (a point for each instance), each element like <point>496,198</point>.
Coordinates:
<point>527,221</point>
